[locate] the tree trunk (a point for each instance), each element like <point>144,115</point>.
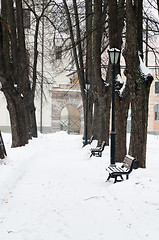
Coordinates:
<point>122,106</point>
<point>83,76</point>
<point>158,6</point>
<point>99,89</point>
<point>88,65</point>
<point>18,121</point>
<point>116,24</point>
<point>139,119</point>
<point>15,73</point>
<point>139,84</point>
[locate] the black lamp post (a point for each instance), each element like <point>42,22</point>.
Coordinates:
<point>87,87</point>
<point>114,55</point>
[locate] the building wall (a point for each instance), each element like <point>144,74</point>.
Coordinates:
<point>67,96</point>
<point>53,77</point>
<point>153,125</point>
<point>47,111</point>
<point>4,115</point>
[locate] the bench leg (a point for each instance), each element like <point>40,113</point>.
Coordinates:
<point>98,154</point>
<point>108,178</point>
<point>127,177</point>
<point>116,180</point>
<point>121,177</point>
<point>92,154</point>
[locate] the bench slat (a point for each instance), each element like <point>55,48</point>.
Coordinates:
<point>96,149</point>
<point>121,169</point>
<point>116,169</point>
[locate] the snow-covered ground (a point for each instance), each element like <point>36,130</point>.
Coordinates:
<point>51,190</point>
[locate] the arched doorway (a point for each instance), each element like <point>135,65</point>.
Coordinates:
<point>70,119</point>
<point>67,110</point>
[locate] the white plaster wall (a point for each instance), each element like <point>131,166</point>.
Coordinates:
<point>53,76</point>
<point>4,114</point>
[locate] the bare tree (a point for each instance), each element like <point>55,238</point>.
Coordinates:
<point>139,83</point>
<point>116,28</point>
<point>88,61</point>
<point>14,69</point>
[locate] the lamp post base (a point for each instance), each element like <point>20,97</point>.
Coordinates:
<point>112,165</point>
<point>85,143</point>
<point>112,153</point>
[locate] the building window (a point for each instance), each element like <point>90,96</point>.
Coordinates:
<point>156,116</point>
<point>156,87</point>
<point>156,108</point>
<point>52,110</point>
<point>26,18</point>
<point>58,52</point>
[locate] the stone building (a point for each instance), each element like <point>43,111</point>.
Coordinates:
<point>153,117</point>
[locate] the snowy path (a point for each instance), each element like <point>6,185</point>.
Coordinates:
<point>62,195</point>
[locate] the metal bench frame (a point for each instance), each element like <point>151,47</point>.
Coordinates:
<point>91,140</point>
<point>125,169</point>
<point>97,152</point>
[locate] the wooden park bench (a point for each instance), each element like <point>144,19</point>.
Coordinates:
<point>90,140</point>
<point>3,153</point>
<point>97,152</point>
<point>125,169</point>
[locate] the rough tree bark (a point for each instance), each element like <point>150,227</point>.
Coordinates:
<point>81,71</point>
<point>158,5</point>
<point>116,25</point>
<point>14,71</point>
<point>84,70</point>
<point>139,84</point>
<point>38,15</point>
<point>99,89</point>
<point>88,65</point>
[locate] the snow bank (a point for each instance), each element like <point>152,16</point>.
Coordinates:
<point>51,189</point>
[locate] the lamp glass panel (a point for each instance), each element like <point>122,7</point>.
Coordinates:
<point>87,86</point>
<point>114,55</point>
